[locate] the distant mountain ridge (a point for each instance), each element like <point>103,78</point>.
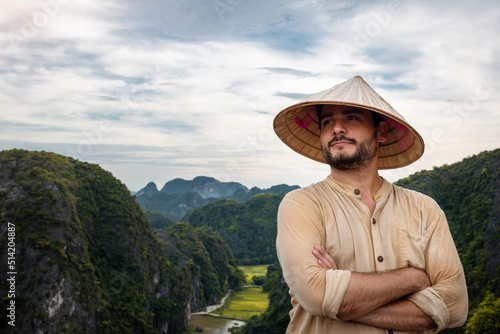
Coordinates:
<point>178,196</point>
<point>149,190</point>
<point>207,187</point>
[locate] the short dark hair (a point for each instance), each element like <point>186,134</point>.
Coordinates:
<point>319,107</point>
<point>377,118</point>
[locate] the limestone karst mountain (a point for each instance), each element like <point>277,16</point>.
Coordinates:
<point>84,257</point>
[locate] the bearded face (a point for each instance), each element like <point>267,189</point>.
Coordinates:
<point>364,153</point>
<point>349,137</point>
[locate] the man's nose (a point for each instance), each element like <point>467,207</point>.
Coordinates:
<point>339,127</point>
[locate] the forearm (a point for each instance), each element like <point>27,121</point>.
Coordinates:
<point>368,292</point>
<point>401,315</point>
<point>370,296</point>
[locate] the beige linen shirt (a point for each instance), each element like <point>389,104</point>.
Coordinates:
<point>407,229</point>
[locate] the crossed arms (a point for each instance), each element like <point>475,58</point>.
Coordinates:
<point>401,299</point>
<point>376,299</point>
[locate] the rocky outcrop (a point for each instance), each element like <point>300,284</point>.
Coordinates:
<point>149,190</point>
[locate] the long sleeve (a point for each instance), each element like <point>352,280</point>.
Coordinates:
<point>446,301</point>
<point>300,228</point>
<point>406,229</point>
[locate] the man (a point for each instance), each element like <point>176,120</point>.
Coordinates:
<point>359,254</point>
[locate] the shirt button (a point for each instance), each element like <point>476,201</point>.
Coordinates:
<point>380,259</point>
<point>357,192</point>
<point>390,331</point>
<point>374,221</point>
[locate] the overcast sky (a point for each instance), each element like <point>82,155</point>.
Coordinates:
<point>154,90</point>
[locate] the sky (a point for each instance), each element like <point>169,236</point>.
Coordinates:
<point>155,90</point>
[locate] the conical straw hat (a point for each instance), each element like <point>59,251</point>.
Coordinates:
<point>297,126</point>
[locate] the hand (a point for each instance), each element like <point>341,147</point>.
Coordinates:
<point>325,261</point>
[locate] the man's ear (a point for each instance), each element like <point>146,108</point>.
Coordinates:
<point>382,129</point>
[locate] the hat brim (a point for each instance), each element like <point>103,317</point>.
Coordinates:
<point>403,146</point>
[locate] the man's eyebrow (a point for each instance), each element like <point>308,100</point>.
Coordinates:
<point>343,112</point>
<point>325,115</point>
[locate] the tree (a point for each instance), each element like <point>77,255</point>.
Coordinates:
<point>258,280</point>
<point>486,318</point>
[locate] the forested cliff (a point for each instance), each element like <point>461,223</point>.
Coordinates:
<point>86,259</point>
<point>249,228</point>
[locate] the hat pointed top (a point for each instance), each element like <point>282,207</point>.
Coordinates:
<point>354,91</point>
<point>297,125</point>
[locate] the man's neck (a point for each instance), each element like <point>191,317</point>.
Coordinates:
<point>367,180</point>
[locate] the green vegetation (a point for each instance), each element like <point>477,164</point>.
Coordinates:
<point>249,228</point>
<point>158,221</point>
<point>486,318</point>
<point>274,320</point>
<point>242,196</point>
<point>258,280</point>
<point>244,303</point>
<point>172,206</point>
<point>207,258</point>
<point>88,260</point>
<point>252,271</point>
<point>77,223</point>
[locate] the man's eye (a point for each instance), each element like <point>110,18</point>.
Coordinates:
<point>327,122</point>
<point>351,118</point>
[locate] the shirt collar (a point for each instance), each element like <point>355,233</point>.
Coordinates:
<point>350,190</point>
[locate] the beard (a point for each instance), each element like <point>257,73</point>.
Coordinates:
<point>364,154</point>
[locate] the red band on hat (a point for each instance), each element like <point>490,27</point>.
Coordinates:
<point>403,142</point>
<point>307,118</point>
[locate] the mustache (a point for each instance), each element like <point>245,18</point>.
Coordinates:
<point>341,138</point>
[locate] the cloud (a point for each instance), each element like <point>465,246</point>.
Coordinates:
<point>290,71</point>
<point>185,88</point>
<point>262,112</point>
<point>294,96</point>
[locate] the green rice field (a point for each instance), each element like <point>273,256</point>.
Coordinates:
<point>251,271</point>
<point>244,303</point>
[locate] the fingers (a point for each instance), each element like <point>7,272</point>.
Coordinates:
<point>323,265</point>
<point>325,261</point>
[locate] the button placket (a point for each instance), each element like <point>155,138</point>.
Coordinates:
<point>378,249</point>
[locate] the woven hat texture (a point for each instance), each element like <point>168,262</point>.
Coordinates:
<point>297,126</point>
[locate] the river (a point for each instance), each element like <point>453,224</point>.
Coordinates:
<point>211,325</point>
